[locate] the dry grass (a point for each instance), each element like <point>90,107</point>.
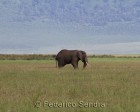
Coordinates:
<point>110,82</point>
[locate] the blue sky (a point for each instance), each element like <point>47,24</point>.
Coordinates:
<point>47,26</point>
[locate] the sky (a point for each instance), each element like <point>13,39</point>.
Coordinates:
<point>47,26</point>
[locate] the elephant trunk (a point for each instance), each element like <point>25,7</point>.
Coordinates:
<point>85,61</point>
<point>85,64</point>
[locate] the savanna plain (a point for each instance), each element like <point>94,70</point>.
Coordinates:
<point>106,85</point>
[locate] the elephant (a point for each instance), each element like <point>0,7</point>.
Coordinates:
<point>71,57</point>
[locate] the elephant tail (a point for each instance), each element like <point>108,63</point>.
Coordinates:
<point>56,61</point>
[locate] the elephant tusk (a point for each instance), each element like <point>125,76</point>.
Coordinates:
<point>87,63</point>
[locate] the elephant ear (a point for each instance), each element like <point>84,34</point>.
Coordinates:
<point>80,55</point>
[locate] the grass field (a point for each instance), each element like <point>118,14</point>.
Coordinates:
<point>107,85</point>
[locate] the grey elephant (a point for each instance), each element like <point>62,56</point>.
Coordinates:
<point>71,57</point>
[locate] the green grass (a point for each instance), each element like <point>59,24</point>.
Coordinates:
<point>113,83</point>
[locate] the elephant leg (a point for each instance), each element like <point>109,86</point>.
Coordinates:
<point>84,65</point>
<point>60,65</point>
<point>75,65</point>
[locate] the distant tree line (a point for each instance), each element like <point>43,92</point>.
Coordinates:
<point>26,57</point>
<point>114,56</point>
<point>52,57</point>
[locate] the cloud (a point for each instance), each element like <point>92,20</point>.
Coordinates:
<point>117,48</point>
<point>48,26</point>
<point>85,12</point>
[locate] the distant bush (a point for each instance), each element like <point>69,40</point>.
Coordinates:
<point>26,57</point>
<point>113,56</point>
<point>128,56</point>
<point>52,57</point>
<point>102,56</point>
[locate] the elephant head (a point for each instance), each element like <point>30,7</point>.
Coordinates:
<point>83,57</point>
